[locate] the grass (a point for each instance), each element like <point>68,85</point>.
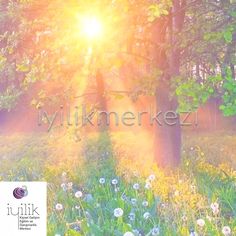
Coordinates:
<point>108,185</point>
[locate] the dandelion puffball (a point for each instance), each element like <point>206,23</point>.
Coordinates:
<point>78,194</point>
<point>152,177</point>
<point>114,181</point>
<point>102,180</point>
<point>226,231</point>
<point>59,207</point>
<point>146,215</point>
<point>118,212</point>
<point>155,231</point>
<point>128,234</point>
<point>200,222</point>
<point>136,186</point>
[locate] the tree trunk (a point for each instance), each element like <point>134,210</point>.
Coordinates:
<point>168,136</point>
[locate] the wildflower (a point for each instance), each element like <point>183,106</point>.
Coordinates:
<point>131,216</point>
<point>77,207</point>
<point>146,215</point>
<point>128,234</point>
<point>118,212</point>
<point>63,186</point>
<point>184,218</point>
<point>152,177</point>
<point>76,228</point>
<point>215,211</point>
<point>114,181</point>
<point>124,197</point>
<point>193,233</point>
<point>64,174</point>
<point>200,222</point>
<point>78,194</point>
<point>102,180</point>
<point>148,186</point>
<point>226,231</point>
<point>136,186</point>
<point>59,207</point>
<point>70,185</point>
<point>214,206</point>
<point>155,231</point>
<point>145,203</point>
<point>133,201</point>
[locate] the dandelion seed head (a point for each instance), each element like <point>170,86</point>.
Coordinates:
<point>59,207</point>
<point>200,222</point>
<point>146,215</point>
<point>226,231</point>
<point>78,194</point>
<point>118,212</point>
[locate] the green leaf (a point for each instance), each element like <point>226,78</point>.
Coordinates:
<point>228,36</point>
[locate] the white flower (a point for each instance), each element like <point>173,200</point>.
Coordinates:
<point>118,212</point>
<point>77,207</point>
<point>145,203</point>
<point>136,186</point>
<point>102,180</point>
<point>78,194</point>
<point>128,234</point>
<point>226,230</point>
<point>200,222</point>
<point>215,211</point>
<point>215,206</point>
<point>148,185</point>
<point>63,186</point>
<point>133,201</point>
<point>152,177</point>
<point>64,174</point>
<point>155,231</point>
<point>59,207</point>
<point>146,215</point>
<point>184,218</point>
<point>70,185</point>
<point>193,234</point>
<point>114,181</point>
<point>132,216</point>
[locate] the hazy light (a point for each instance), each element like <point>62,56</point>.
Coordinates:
<point>91,27</point>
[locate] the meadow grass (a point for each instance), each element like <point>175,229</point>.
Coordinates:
<point>109,185</point>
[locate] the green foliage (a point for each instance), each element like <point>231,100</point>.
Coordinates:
<point>191,94</point>
<point>229,95</point>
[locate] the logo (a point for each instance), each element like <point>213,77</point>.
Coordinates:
<point>23,208</point>
<point>19,193</point>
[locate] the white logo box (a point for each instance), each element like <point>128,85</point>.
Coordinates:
<point>23,208</point>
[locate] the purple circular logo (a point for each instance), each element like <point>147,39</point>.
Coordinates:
<point>19,193</point>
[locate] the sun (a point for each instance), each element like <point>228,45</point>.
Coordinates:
<point>91,27</point>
